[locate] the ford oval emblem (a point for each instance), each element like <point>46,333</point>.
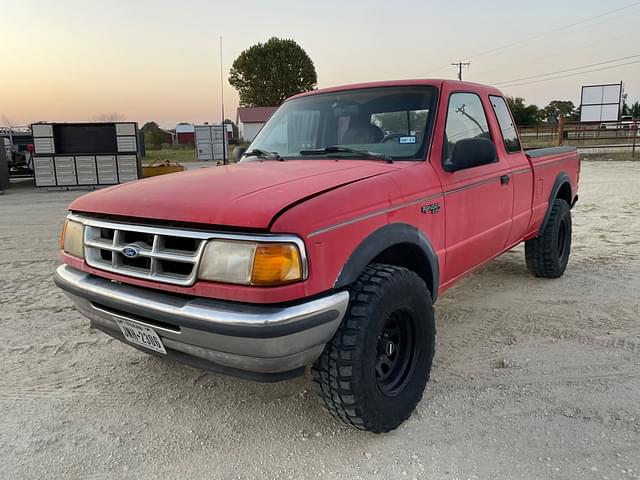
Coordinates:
<point>131,251</point>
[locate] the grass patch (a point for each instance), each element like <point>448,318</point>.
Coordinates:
<point>180,155</point>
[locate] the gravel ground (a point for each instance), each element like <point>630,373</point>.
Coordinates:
<point>532,378</point>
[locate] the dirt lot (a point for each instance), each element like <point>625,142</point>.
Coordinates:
<point>533,378</point>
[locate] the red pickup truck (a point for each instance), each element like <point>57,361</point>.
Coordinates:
<point>327,243</point>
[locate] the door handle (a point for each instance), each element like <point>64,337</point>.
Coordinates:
<point>504,179</point>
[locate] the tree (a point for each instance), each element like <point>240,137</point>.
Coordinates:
<point>523,114</point>
<point>266,74</point>
<point>635,110</point>
<point>556,108</point>
<point>575,116</point>
<point>154,137</point>
<point>234,128</point>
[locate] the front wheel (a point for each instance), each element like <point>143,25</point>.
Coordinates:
<point>372,374</point>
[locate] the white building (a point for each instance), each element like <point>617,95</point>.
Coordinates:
<point>251,119</point>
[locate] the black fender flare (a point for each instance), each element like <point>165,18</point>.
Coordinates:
<point>379,241</point>
<point>561,179</point>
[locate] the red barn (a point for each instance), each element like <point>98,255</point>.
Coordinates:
<point>185,133</point>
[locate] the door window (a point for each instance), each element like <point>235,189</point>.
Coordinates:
<point>465,120</point>
<point>508,129</point>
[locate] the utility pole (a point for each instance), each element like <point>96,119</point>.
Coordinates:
<point>460,64</point>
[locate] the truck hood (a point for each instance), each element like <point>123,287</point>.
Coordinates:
<point>248,195</point>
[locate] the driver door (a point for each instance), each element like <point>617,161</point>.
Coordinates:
<point>478,201</point>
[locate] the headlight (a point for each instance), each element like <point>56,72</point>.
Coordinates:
<point>251,263</point>
<point>72,238</point>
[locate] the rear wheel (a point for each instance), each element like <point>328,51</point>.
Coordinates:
<point>548,254</point>
<point>373,372</point>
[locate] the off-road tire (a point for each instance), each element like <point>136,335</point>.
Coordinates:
<point>346,376</point>
<point>548,254</point>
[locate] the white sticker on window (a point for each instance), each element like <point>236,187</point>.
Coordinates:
<point>409,139</point>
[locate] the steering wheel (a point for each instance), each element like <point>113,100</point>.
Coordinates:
<point>391,136</point>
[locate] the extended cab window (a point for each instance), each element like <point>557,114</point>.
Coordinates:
<point>465,120</point>
<point>508,129</point>
<point>392,121</point>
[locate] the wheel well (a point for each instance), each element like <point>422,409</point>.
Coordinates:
<point>409,256</point>
<point>565,193</point>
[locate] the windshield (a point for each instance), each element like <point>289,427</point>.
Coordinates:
<point>391,121</point>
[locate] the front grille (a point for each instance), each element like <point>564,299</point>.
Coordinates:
<point>158,254</point>
<point>162,254</point>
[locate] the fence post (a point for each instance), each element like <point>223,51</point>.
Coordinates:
<point>634,133</point>
<point>560,129</point>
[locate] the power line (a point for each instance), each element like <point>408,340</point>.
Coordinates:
<point>535,37</point>
<point>555,30</point>
<point>516,80</point>
<point>558,53</point>
<point>460,64</point>
<point>572,74</point>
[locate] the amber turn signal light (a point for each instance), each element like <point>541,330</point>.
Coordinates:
<point>276,264</point>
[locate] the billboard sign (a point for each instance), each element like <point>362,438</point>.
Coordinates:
<point>601,103</point>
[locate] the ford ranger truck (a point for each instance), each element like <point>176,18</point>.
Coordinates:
<point>327,244</point>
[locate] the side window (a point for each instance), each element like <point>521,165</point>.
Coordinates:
<point>508,129</point>
<point>465,120</point>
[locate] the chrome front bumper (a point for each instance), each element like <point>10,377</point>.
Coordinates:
<point>260,342</point>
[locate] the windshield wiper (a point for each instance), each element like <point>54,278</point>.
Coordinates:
<point>355,151</point>
<point>256,152</point>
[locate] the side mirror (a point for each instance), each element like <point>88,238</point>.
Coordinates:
<point>238,152</point>
<point>471,152</point>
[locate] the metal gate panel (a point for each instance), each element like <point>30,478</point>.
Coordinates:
<point>126,144</point>
<point>203,134</point>
<point>44,145</point>
<point>107,173</point>
<point>209,142</point>
<point>65,171</point>
<point>126,129</point>
<point>127,168</point>
<point>40,130</point>
<point>86,168</point>
<point>43,169</point>
<point>205,151</point>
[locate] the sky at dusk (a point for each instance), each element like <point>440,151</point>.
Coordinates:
<point>157,60</point>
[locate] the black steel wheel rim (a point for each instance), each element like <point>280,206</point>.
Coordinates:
<point>396,352</point>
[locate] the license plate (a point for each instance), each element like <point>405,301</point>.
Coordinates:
<point>141,335</point>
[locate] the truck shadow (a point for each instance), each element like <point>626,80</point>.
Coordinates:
<point>289,408</point>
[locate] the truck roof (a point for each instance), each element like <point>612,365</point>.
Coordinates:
<point>438,83</point>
